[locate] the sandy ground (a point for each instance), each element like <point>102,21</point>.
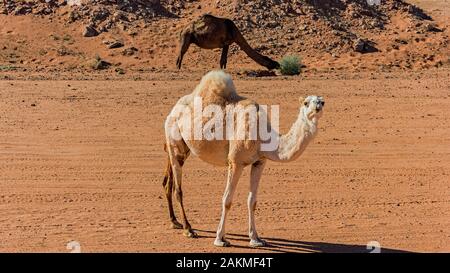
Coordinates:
<point>83,161</point>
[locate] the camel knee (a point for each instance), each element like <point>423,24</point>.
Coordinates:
<point>227,205</point>
<point>227,202</point>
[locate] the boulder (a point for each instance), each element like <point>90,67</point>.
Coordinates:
<point>129,51</point>
<point>115,44</point>
<point>364,46</point>
<point>90,31</point>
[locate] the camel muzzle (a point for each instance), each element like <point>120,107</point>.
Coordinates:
<point>320,105</point>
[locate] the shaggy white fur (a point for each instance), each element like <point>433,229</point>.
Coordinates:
<point>217,88</point>
<point>216,82</point>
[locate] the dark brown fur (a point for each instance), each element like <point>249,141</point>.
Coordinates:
<point>211,32</point>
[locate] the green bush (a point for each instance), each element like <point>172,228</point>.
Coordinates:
<point>290,65</point>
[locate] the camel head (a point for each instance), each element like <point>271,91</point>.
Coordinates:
<point>312,107</point>
<point>271,64</point>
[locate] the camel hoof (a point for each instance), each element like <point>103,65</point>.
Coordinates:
<point>176,225</point>
<point>189,233</point>
<point>221,243</point>
<point>258,243</point>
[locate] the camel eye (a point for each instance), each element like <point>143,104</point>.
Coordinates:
<point>305,103</point>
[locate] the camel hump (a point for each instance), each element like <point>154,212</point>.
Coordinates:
<point>216,83</point>
<point>206,19</point>
<point>207,16</point>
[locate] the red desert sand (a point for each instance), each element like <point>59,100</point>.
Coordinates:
<point>81,149</point>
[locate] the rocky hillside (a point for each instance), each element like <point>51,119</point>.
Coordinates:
<point>141,35</point>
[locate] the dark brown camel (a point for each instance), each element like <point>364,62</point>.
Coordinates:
<point>211,32</point>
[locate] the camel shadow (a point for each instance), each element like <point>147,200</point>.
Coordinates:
<point>293,246</point>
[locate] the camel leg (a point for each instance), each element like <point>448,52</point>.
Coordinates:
<point>168,187</point>
<point>255,176</point>
<point>188,232</point>
<point>185,42</point>
<point>223,58</point>
<point>176,165</point>
<point>234,172</point>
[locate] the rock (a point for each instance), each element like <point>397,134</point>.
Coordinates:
<point>100,15</point>
<point>418,12</point>
<point>119,16</point>
<point>42,11</point>
<point>376,24</point>
<point>119,70</point>
<point>122,26</point>
<point>432,28</point>
<point>260,73</point>
<point>129,51</point>
<point>108,25</point>
<point>352,11</point>
<point>132,32</point>
<point>73,16</point>
<point>115,44</point>
<point>303,27</point>
<point>21,10</point>
<point>97,63</point>
<point>101,64</point>
<point>364,46</point>
<point>90,31</point>
<point>401,41</point>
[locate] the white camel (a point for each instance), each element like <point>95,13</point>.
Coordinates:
<point>217,88</point>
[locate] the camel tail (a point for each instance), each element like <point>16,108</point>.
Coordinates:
<point>260,59</point>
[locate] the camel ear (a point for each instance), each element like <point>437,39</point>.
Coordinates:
<point>301,100</point>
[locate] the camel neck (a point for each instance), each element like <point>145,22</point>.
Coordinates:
<point>292,144</point>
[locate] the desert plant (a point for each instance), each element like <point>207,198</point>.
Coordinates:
<point>42,52</point>
<point>97,63</point>
<point>55,37</point>
<point>290,65</point>
<point>63,51</point>
<point>119,70</point>
<point>67,37</point>
<point>8,67</point>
